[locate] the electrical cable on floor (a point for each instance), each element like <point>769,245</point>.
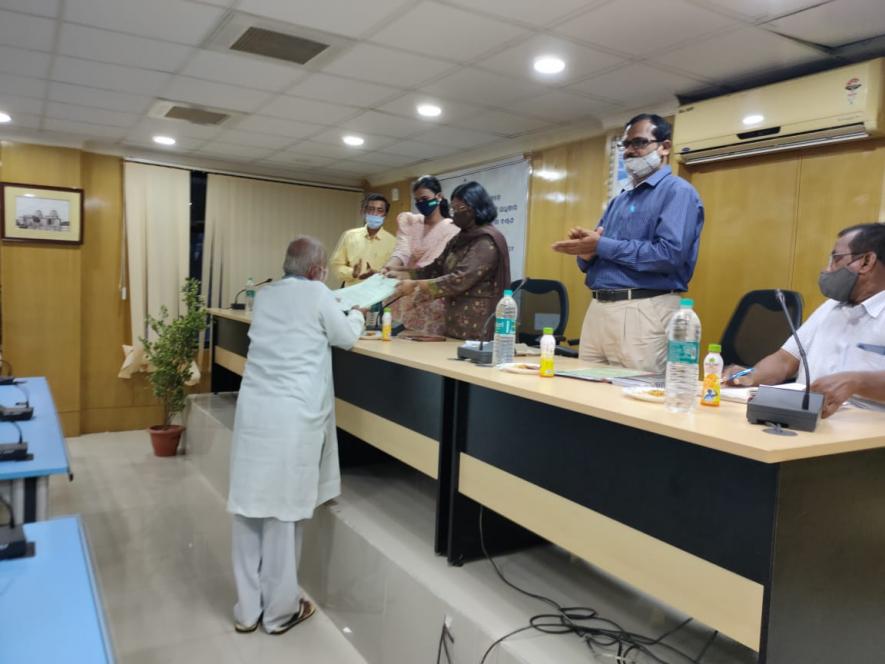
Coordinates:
<point>595,630</point>
<point>445,637</point>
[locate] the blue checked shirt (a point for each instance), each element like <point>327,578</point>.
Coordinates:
<point>650,238</point>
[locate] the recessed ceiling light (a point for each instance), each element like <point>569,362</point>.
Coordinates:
<point>549,64</point>
<point>164,140</point>
<point>5,117</point>
<point>429,110</point>
<point>753,119</point>
<point>354,141</point>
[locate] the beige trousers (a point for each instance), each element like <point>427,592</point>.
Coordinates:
<point>629,333</point>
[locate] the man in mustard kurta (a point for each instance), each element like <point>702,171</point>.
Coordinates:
<point>364,250</point>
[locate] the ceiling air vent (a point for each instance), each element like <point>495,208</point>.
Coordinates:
<point>195,115</point>
<point>270,44</point>
<point>260,37</point>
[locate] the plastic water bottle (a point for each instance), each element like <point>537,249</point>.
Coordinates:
<point>505,329</point>
<point>710,395</point>
<point>250,293</point>
<point>683,352</point>
<point>548,352</point>
<point>386,324</point>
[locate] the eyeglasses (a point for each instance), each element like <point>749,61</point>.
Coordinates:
<point>460,210</point>
<point>834,257</point>
<point>636,143</point>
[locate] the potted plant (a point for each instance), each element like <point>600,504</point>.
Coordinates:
<point>170,355</point>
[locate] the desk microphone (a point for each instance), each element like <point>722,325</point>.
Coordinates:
<point>15,451</point>
<point>483,355</point>
<point>787,408</point>
<point>237,305</point>
<point>13,543</point>
<point>20,411</point>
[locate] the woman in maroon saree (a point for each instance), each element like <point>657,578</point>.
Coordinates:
<point>472,271</point>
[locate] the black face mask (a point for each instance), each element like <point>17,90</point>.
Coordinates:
<point>463,219</point>
<point>838,284</point>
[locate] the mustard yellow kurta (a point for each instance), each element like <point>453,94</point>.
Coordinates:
<point>357,245</point>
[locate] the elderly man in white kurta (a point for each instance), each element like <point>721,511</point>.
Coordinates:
<point>284,459</point>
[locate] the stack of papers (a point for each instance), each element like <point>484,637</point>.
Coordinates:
<point>600,374</point>
<point>365,294</point>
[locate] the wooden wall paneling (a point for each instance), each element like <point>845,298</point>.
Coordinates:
<point>41,301</point>
<point>839,186</point>
<point>749,234</point>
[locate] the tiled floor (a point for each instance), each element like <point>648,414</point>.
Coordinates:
<point>160,539</point>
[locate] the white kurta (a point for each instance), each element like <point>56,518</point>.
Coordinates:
<point>284,458</point>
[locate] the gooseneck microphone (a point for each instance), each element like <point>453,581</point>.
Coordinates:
<point>236,305</point>
<point>21,410</point>
<point>483,355</point>
<point>779,407</point>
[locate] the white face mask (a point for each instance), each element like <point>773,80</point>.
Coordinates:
<point>640,168</point>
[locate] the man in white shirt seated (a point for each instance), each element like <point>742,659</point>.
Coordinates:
<point>854,282</point>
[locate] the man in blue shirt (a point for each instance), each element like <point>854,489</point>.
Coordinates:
<point>641,256</point>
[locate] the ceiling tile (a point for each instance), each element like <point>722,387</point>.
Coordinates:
<point>15,104</point>
<point>84,128</point>
<point>384,158</point>
<point>835,24</point>
<point>357,167</point>
<point>341,17</point>
<point>311,148</point>
<point>562,107</point>
<point>97,116</point>
<point>21,85</point>
<point>373,122</point>
<point>242,69</point>
<point>307,110</point>
<point>114,47</point>
<point>481,87</point>
<point>638,84</point>
<point>419,150</point>
<point>762,9</point>
<point>639,27</point>
<point>326,87</point>
<point>299,159</point>
<point>407,104</point>
<point>172,20</point>
<point>459,138</point>
<point>230,150</point>
<point>372,141</point>
<point>499,122</point>
<point>251,139</point>
<point>287,128</point>
<point>26,31</point>
<point>20,62</point>
<point>85,96</point>
<point>218,95</point>
<point>41,7</point>
<point>383,65</point>
<point>581,61</point>
<point>108,76</point>
<point>142,138</point>
<point>737,54</point>
<point>21,121</point>
<point>467,37</point>
<point>532,12</point>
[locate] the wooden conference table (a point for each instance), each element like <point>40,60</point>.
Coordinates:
<point>778,542</point>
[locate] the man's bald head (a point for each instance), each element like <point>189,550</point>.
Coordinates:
<point>305,257</point>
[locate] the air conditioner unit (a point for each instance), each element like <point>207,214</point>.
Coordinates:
<point>842,104</point>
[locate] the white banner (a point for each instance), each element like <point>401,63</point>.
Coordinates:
<point>508,184</point>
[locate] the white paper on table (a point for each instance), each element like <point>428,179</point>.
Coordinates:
<point>367,293</point>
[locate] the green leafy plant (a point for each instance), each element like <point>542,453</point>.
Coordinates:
<point>174,348</point>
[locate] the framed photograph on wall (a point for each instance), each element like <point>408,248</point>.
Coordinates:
<point>33,213</point>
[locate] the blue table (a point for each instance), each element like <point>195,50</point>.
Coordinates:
<point>25,484</point>
<point>50,605</point>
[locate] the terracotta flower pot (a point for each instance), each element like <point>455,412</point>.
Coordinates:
<point>165,439</point>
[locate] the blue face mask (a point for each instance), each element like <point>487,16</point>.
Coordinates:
<point>374,221</point>
<point>427,207</point>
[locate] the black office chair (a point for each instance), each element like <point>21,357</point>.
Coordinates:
<point>758,326</point>
<point>542,303</point>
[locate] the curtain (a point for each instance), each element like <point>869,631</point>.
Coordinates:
<point>157,229</point>
<point>249,224</point>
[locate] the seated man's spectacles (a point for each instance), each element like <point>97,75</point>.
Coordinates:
<point>636,143</point>
<point>834,258</point>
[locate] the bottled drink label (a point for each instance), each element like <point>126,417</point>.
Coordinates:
<point>505,326</point>
<point>712,389</point>
<point>683,352</point>
<point>547,370</point>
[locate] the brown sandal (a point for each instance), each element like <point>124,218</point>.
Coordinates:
<point>306,609</point>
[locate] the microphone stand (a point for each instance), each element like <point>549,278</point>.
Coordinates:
<point>239,307</point>
<point>481,355</point>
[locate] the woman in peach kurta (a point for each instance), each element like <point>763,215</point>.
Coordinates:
<point>420,239</point>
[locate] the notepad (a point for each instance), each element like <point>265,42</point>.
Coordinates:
<point>367,293</point>
<point>600,374</point>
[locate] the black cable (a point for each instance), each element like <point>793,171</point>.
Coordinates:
<point>605,633</point>
<point>445,636</point>
<point>11,521</point>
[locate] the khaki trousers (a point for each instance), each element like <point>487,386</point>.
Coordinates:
<point>629,333</point>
